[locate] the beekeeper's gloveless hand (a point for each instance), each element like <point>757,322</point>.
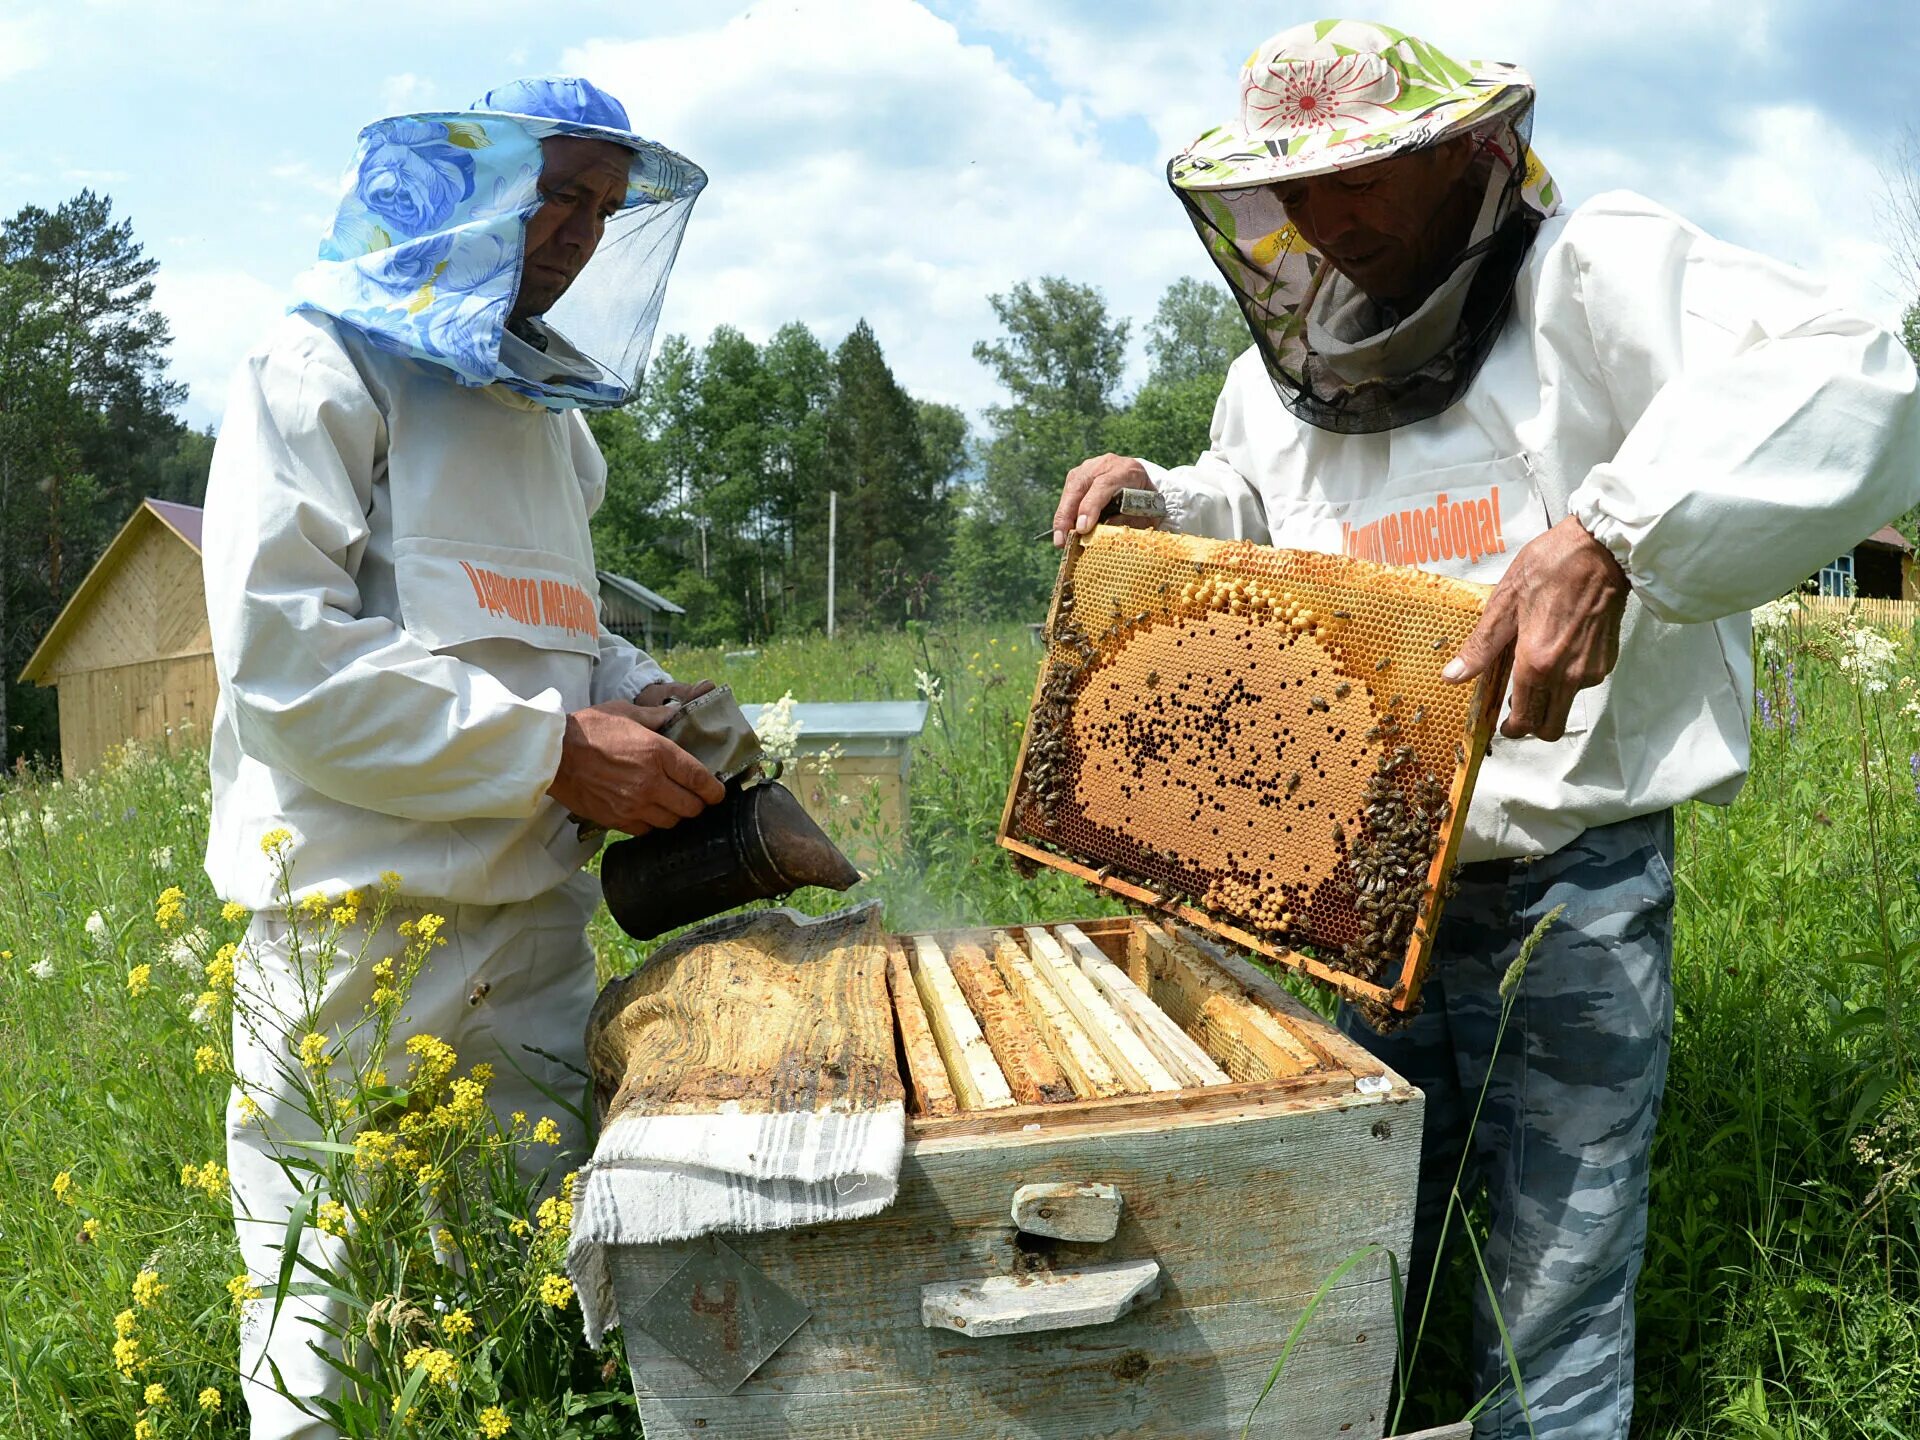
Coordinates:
<point>618,771</point>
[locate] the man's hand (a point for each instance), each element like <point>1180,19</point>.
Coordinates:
<point>662,691</point>
<point>1558,610</point>
<point>1090,485</point>
<point>617,772</point>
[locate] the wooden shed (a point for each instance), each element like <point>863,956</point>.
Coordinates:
<point>635,613</point>
<point>130,653</point>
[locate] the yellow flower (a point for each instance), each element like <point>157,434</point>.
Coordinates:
<point>519,1118</point>
<point>147,1288</point>
<point>210,1179</point>
<point>456,1323</point>
<point>348,910</point>
<point>123,1324</point>
<point>233,910</point>
<point>429,926</point>
<point>209,1399</point>
<point>63,1187</point>
<point>557,1291</point>
<point>433,1059</point>
<point>494,1422</point>
<point>331,1219</point>
<point>143,1429</point>
<point>518,1226</point>
<point>390,879</point>
<point>171,908</point>
<point>313,1050</point>
<point>138,979</point>
<point>545,1132</point>
<point>383,996</point>
<point>126,1356</point>
<point>156,1394</point>
<point>315,905</point>
<point>482,1074</point>
<point>428,1177</point>
<point>206,1060</point>
<point>90,1229</point>
<point>220,968</point>
<point>242,1289</point>
<point>442,1366</point>
<point>555,1214</point>
<point>274,840</point>
<point>249,1108</point>
<point>383,970</point>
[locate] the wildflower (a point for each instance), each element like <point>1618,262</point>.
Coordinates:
<point>210,1179</point>
<point>348,908</point>
<point>519,1227</point>
<point>63,1187</point>
<point>545,1132</point>
<point>89,1230</point>
<point>220,968</point>
<point>143,1428</point>
<point>927,685</point>
<point>331,1219</point>
<point>482,1074</point>
<point>206,1060</point>
<point>139,979</point>
<point>161,858</point>
<point>185,953</point>
<point>242,1289</point>
<point>519,1118</point>
<point>390,879</point>
<point>428,1177</point>
<point>429,927</point>
<point>156,1394</point>
<point>555,1215</point>
<point>208,1399</point>
<point>442,1366</point>
<point>274,841</point>
<point>313,1050</point>
<point>96,928</point>
<point>314,905</point>
<point>147,1289</point>
<point>204,1005</point>
<point>494,1422</point>
<point>126,1356</point>
<point>171,908</point>
<point>123,1324</point>
<point>433,1059</point>
<point>41,969</point>
<point>233,910</point>
<point>456,1323</point>
<point>557,1291</point>
<point>1868,656</point>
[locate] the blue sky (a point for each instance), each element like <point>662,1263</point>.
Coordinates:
<point>901,161</point>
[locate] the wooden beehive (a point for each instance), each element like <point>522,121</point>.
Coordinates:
<point>1131,1160</point>
<point>1258,742</point>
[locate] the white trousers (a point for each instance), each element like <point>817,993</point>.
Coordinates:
<point>511,981</point>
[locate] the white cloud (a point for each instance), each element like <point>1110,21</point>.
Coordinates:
<point>406,92</point>
<point>865,161</point>
<point>23,45</point>
<point>216,317</point>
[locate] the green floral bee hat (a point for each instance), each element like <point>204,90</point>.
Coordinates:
<point>1331,97</point>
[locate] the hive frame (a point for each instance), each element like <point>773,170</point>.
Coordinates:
<point>1402,995</point>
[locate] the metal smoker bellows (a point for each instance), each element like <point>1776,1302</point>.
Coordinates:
<point>755,844</point>
<point>1257,740</point>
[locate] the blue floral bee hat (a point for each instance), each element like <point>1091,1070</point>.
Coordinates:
<point>424,253</point>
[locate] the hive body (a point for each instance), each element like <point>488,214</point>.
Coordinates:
<point>1246,1192</point>
<point>1259,741</point>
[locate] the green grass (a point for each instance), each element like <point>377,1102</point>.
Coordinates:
<point>1782,1289</point>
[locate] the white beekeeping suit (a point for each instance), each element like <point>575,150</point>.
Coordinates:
<point>402,595</point>
<point>1713,417</point>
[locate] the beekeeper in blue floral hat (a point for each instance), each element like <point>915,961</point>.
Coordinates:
<point>416,692</point>
<point>1634,433</point>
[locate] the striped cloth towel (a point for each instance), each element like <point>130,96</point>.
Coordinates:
<point>746,1081</point>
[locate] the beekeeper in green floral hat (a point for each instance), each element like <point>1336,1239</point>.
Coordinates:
<point>1635,433</point>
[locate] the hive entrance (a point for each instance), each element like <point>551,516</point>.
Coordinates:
<point>1259,739</point>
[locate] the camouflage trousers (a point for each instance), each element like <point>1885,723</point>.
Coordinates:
<point>1562,1142</point>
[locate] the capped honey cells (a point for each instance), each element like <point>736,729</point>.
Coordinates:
<point>1258,739</point>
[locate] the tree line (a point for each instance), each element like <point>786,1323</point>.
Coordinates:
<point>719,470</point>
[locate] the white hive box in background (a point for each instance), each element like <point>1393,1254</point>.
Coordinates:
<point>847,750</point>
<point>1215,1149</point>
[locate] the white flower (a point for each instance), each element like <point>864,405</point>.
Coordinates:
<point>40,969</point>
<point>1776,615</point>
<point>97,931</point>
<point>1868,656</point>
<point>161,858</point>
<point>201,1013</point>
<point>779,732</point>
<point>928,686</point>
<point>188,952</point>
<point>49,822</point>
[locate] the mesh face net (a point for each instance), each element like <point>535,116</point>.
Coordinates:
<point>606,318</point>
<point>1262,736</point>
<point>1278,278</point>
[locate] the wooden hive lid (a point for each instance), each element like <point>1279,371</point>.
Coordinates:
<point>1258,742</point>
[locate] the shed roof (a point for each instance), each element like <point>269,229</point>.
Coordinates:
<point>639,593</point>
<point>179,520</point>
<point>1887,535</point>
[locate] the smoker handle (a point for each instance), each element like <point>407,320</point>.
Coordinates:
<point>1049,1300</point>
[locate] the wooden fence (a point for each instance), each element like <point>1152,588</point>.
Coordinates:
<point>1881,614</point>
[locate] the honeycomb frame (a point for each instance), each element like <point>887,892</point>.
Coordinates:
<point>1186,743</point>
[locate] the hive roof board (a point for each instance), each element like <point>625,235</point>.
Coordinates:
<point>1257,741</point>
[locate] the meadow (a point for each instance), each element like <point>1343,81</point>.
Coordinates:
<point>1782,1290</point>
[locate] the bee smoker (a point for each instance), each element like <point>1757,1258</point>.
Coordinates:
<point>755,844</point>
